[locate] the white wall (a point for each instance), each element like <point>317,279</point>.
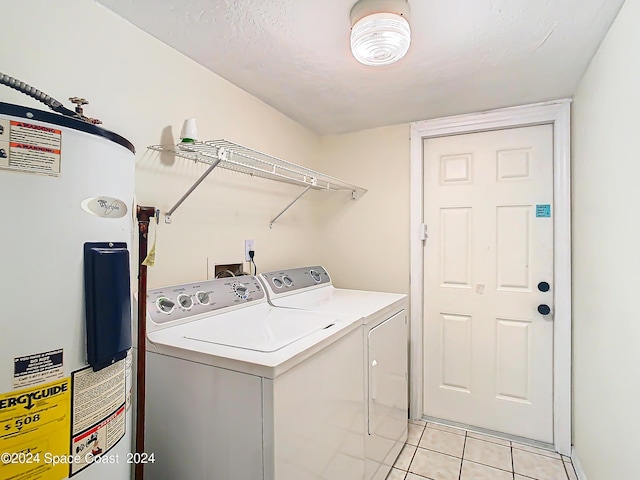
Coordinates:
<point>606,255</point>
<point>143,90</point>
<point>365,244</point>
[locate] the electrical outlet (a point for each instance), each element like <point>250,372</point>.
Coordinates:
<point>248,245</point>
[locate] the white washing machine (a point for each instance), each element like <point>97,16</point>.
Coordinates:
<point>240,390</point>
<point>385,340</point>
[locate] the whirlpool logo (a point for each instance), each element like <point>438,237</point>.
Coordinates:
<point>105,207</point>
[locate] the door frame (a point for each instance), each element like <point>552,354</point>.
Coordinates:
<point>556,113</point>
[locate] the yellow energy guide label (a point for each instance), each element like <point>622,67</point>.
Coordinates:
<point>35,432</point>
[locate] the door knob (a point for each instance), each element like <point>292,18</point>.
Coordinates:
<point>544,309</point>
<point>543,287</point>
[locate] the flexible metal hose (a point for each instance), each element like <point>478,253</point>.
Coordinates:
<point>27,89</point>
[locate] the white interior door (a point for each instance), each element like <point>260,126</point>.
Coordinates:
<point>488,352</point>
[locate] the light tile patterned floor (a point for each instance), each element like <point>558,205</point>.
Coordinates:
<point>437,452</point>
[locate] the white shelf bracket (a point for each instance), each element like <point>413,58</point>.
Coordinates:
<point>288,206</point>
<point>167,216</point>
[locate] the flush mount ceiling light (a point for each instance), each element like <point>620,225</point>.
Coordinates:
<point>380,32</point>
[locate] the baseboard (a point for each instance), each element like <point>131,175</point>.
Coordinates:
<point>577,466</point>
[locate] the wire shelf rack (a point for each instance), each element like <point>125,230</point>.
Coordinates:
<point>232,156</point>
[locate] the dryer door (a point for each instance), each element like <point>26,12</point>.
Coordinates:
<point>387,390</point>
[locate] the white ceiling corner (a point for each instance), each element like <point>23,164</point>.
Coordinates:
<point>466,55</point>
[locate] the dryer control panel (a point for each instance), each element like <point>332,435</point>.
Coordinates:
<point>282,281</point>
<point>176,302</point>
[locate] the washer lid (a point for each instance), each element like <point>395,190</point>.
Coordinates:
<point>359,303</point>
<point>262,334</point>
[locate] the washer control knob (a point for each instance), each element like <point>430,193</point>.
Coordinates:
<point>277,282</point>
<point>287,280</point>
<point>185,301</point>
<point>165,305</point>
<point>203,298</point>
<point>315,275</point>
<point>241,290</point>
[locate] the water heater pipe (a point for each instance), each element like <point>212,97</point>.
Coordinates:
<point>48,100</point>
<point>27,89</point>
<point>144,214</point>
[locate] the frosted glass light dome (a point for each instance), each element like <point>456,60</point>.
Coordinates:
<point>380,38</point>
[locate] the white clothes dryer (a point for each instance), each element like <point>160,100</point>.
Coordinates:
<point>238,389</point>
<point>385,352</point>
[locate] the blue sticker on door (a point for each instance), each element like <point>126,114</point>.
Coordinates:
<point>543,211</point>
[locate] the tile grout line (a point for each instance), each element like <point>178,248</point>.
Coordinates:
<point>414,453</point>
<point>513,466</point>
<point>485,463</point>
<point>539,451</point>
<point>462,458</point>
<point>488,465</point>
<point>440,453</point>
<point>424,429</point>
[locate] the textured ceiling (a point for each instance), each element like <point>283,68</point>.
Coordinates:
<point>466,55</point>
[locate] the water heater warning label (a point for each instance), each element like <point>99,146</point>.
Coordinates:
<point>37,368</point>
<point>98,411</point>
<point>30,148</point>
